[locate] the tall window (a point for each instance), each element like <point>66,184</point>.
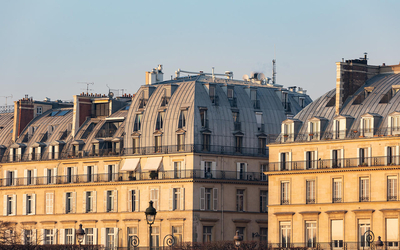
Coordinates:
<point>337,190</point>
<point>89,201</point>
<point>284,233</point>
<point>182,119</point>
<point>260,124</point>
<point>176,198</point>
<point>208,199</point>
<point>311,233</point>
<point>391,155</point>
<point>157,144</point>
<point>89,236</point>
<point>284,192</point>
<point>392,233</point>
<point>238,144</point>
<point>90,173</point>
<point>241,170</point>
<point>203,118</point>
<point>10,178</point>
<point>138,122</point>
<point>110,200</point>
<point>50,179</point>
<point>155,236</point>
<point>132,232</point>
<point>363,156</point>
<point>263,234</point>
<point>206,142</point>
<point>263,201</point>
<point>310,159</point>
<point>49,237</point>
<point>337,233</point>
<point>262,146</point>
<point>39,110</point>
<point>177,234</point>
<point>70,173</point>
<point>110,237</point>
<point>364,189</point>
<point>135,145</point>
<point>29,177</point>
<point>310,199</point>
<point>29,203</point>
<point>335,158</point>
<point>363,226</point>
<point>392,188</point>
<point>49,203</point>
<point>28,237</point>
<point>110,172</point>
<point>132,199</point>
<point>263,169</point>
<point>154,197</point>
<point>69,236</point>
<point>241,231</point>
<point>68,202</point>
<point>180,142</point>
<point>284,161</point>
<point>177,169</point>
<point>240,200</point>
<point>160,121</point>
<point>207,234</point>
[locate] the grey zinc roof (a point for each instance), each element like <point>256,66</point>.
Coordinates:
<point>6,125</point>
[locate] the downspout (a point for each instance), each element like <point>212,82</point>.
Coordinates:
<point>222,211</point>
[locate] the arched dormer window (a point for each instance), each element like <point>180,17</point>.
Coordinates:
<point>289,130</point>
<point>315,128</point>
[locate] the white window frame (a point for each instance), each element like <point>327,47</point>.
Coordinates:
<point>285,232</point>
<point>285,192</point>
<point>364,189</point>
<point>392,188</point>
<point>337,189</point>
<point>311,229</point>
<point>311,191</point>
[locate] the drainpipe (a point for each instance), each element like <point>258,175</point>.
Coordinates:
<point>222,210</point>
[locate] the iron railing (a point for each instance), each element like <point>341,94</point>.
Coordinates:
<point>233,102</point>
<point>7,109</point>
<point>256,104</point>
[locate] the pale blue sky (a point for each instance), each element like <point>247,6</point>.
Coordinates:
<point>46,47</point>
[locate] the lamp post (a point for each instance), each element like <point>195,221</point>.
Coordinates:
<point>379,243</point>
<point>237,239</point>
<point>80,233</point>
<point>150,218</point>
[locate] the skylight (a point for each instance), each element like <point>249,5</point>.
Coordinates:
<point>53,113</point>
<point>62,113</point>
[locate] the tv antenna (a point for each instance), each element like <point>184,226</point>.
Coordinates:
<point>11,96</point>
<point>274,67</point>
<point>87,86</point>
<point>118,92</point>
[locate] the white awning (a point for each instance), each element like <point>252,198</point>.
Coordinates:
<point>152,164</point>
<point>130,164</point>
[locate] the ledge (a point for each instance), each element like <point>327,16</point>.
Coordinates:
<point>28,222</point>
<point>390,210</point>
<point>310,212</point>
<point>182,219</point>
<point>48,222</point>
<point>241,220</point>
<point>208,219</point>
<point>89,221</point>
<point>68,221</point>
<point>110,220</point>
<point>336,211</point>
<point>363,210</point>
<point>284,213</point>
<point>262,221</point>
<point>131,220</point>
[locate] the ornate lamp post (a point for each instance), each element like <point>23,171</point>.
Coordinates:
<point>237,239</point>
<point>150,218</point>
<point>379,243</point>
<point>80,233</point>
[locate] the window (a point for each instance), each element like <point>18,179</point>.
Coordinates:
<point>89,236</point>
<point>177,234</point>
<point>284,231</point>
<point>176,192</point>
<point>260,123</point>
<point>207,234</point>
<point>177,169</point>
<point>182,119</point>
<point>337,190</point>
<point>138,122</point>
<point>160,121</point>
<point>310,199</point>
<point>367,126</point>
<point>89,201</point>
<point>263,168</point>
<point>238,144</point>
<point>49,203</point>
<point>364,189</point>
<point>313,130</point>
<point>11,178</point>
<point>69,174</point>
<point>363,226</point>
<point>394,123</point>
<point>29,177</point>
<point>208,199</point>
<point>230,93</point>
<point>263,234</point>
<point>263,201</point>
<point>90,173</point>
<point>206,142</point>
<point>69,199</point>
<point>157,144</point>
<point>392,188</point>
<point>363,156</point>
<point>155,236</point>
<point>284,192</point>
<point>132,232</point>
<point>10,205</point>
<point>241,171</point>
<point>241,231</point>
<point>240,200</point>
<point>110,200</point>
<point>392,233</point>
<point>39,110</point>
<point>203,118</point>
<point>336,162</point>
<point>110,238</point>
<point>390,155</point>
<point>50,176</point>
<point>29,205</point>
<point>29,237</point>
<point>69,236</point>
<point>311,233</point>
<point>337,233</point>
<point>49,237</point>
<point>135,145</point>
<point>311,161</point>
<point>180,142</point>
<point>262,146</point>
<point>154,197</point>
<point>284,161</point>
<point>111,172</point>
<point>133,200</point>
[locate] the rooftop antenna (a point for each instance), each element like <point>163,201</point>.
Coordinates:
<point>87,86</point>
<point>11,96</point>
<point>274,67</point>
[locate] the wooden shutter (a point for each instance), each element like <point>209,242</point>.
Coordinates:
<point>171,199</point>
<point>55,233</point>
<point>23,236</point>
<point>94,200</point>
<point>14,202</point>
<point>73,235</point>
<point>74,202</point>
<point>116,237</point>
<point>24,204</point>
<point>103,237</point>
<point>64,202</point>
<point>55,173</point>
<point>130,200</point>
<point>34,176</point>
<point>182,201</point>
<point>115,201</point>
<point>215,199</point>
<point>238,170</point>
<point>43,236</point>
<point>214,169</point>
<point>45,176</point>
<point>202,169</point>
<point>62,236</point>
<point>25,177</point>
<point>74,174</point>
<point>33,209</point>
<point>34,240</point>
<point>94,236</point>
<point>137,201</point>
<point>202,198</point>
<point>105,202</point>
<point>84,202</point>
<point>5,205</point>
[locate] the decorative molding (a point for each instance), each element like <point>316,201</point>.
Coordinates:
<point>310,212</point>
<point>241,220</point>
<point>284,213</point>
<point>363,210</point>
<point>208,220</point>
<point>336,211</point>
<point>262,221</point>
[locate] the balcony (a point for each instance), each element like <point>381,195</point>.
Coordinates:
<point>392,198</point>
<point>133,176</point>
<point>336,200</point>
<point>333,163</point>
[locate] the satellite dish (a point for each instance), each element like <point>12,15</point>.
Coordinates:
<point>245,77</point>
<point>252,74</point>
<point>111,94</point>
<point>260,76</point>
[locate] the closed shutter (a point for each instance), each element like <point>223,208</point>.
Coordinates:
<point>33,209</point>
<point>55,173</point>
<point>95,170</point>
<point>75,174</point>
<point>44,236</point>
<point>25,177</point>
<point>49,203</point>
<point>94,204</point>
<point>14,202</point>
<point>23,236</point>
<point>214,169</point>
<point>34,176</point>
<point>202,170</point>
<point>202,198</point>
<point>115,237</point>
<point>238,170</point>
<point>171,199</point>
<point>103,237</point>
<point>105,201</point>
<point>15,176</point>
<point>74,202</point>
<point>215,199</point>
<point>24,204</point>
<point>130,201</point>
<point>45,176</point>
<point>137,201</point>
<point>115,201</point>
<point>55,231</point>
<point>62,236</point>
<point>84,202</point>
<point>94,236</point>
<point>64,202</point>
<point>5,205</point>
<point>73,235</point>
<point>182,199</point>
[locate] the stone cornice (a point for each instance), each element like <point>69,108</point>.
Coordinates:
<point>333,170</point>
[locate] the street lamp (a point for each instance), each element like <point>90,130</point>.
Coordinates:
<point>379,243</point>
<point>80,233</point>
<point>237,239</point>
<point>150,218</point>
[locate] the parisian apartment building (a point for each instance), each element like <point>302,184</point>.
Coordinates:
<point>196,146</point>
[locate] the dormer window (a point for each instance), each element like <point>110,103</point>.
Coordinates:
<point>203,118</point>
<point>138,122</point>
<point>160,121</point>
<point>394,123</point>
<point>253,97</point>
<point>236,121</point>
<point>39,110</point>
<point>341,125</point>
<point>260,123</point>
<point>368,124</point>
<point>165,99</point>
<point>231,97</point>
<point>213,96</point>
<point>288,129</point>
<point>315,128</point>
<point>182,119</point>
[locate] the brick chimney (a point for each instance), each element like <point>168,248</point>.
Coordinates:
<point>82,110</point>
<point>23,114</point>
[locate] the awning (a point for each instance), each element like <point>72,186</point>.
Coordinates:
<point>152,164</point>
<point>130,164</point>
